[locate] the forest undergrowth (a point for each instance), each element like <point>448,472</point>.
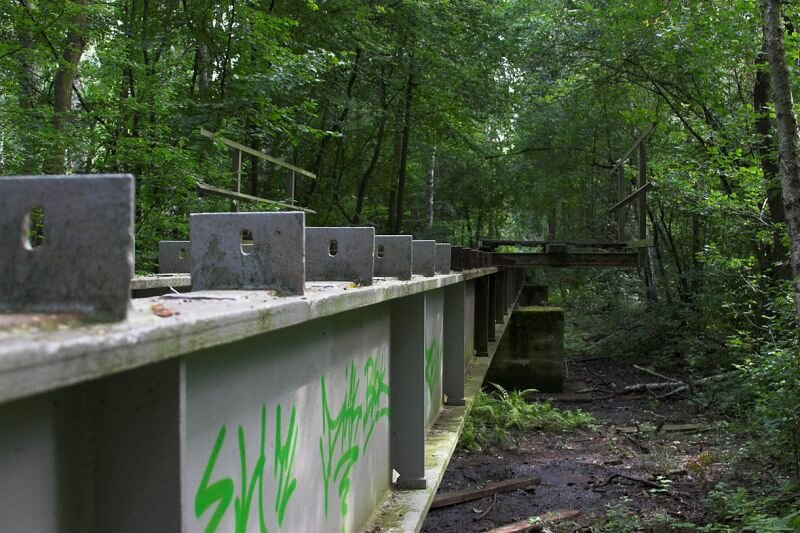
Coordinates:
<point>720,455</point>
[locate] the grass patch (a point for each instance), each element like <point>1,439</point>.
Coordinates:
<point>494,416</point>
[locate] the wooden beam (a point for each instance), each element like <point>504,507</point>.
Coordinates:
<point>631,197</point>
<point>447,499</point>
<point>246,149</point>
<point>568,260</point>
<point>640,243</point>
<point>633,147</point>
<point>205,188</point>
<point>491,244</point>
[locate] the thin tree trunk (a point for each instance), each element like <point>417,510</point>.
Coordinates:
<point>429,199</point>
<point>402,171</point>
<point>478,229</point>
<point>376,154</point>
<point>662,271</point>
<point>788,139</point>
<point>62,85</point>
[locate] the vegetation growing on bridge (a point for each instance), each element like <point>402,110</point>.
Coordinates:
<point>456,121</point>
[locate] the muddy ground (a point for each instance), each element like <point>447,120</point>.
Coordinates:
<point>668,453</point>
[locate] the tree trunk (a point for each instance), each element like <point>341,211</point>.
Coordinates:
<point>62,85</point>
<point>775,259</point>
<point>429,199</point>
<point>376,153</point>
<point>788,140</point>
<point>402,171</point>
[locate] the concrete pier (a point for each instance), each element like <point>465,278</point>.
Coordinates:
<point>531,354</point>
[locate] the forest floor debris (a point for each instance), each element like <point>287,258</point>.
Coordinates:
<point>658,459</point>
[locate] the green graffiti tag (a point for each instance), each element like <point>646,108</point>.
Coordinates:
<point>284,463</point>
<point>221,492</point>
<point>433,366</point>
<point>341,430</point>
<point>376,386</point>
<point>339,445</point>
<point>242,505</point>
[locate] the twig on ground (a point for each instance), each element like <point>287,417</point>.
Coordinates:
<point>537,523</point>
<point>488,509</point>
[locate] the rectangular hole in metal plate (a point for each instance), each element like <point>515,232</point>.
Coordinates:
<point>33,229</point>
<point>246,238</point>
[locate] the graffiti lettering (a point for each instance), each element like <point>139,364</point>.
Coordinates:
<point>376,386</point>
<point>284,464</point>
<point>221,492</point>
<point>341,430</point>
<point>433,367</point>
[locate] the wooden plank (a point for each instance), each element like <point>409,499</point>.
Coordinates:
<point>460,496</point>
<point>568,260</point>
<point>640,243</point>
<point>210,189</point>
<point>633,147</point>
<point>246,149</point>
<point>631,197</point>
<point>538,523</point>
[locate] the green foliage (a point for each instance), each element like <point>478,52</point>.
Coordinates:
<point>494,417</point>
<point>736,510</point>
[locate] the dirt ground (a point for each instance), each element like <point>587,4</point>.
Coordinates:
<point>653,458</point>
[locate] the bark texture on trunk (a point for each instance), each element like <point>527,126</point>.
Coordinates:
<point>63,82</point>
<point>786,122</point>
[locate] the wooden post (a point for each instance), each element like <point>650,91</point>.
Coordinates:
<point>622,212</point>
<point>641,203</point>
<point>236,168</point>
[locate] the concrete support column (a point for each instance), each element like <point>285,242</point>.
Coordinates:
<point>455,313</point>
<point>482,317</point>
<point>504,291</point>
<point>492,307</point>
<point>407,397</point>
<point>499,311</point>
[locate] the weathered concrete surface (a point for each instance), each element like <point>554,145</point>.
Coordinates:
<point>42,476</point>
<point>424,258</point>
<point>85,262</point>
<point>393,256</point>
<point>353,259</point>
<point>174,257</point>
<point>533,294</point>
<point>277,257</point>
<point>37,356</point>
<point>442,258</point>
<point>531,354</point>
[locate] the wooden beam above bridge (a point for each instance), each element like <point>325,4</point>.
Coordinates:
<point>567,260</point>
<point>492,244</point>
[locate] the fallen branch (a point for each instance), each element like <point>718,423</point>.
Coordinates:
<point>537,523</point>
<point>460,496</point>
<point>488,509</point>
<point>682,385</point>
<point>656,374</point>
<point>615,475</point>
